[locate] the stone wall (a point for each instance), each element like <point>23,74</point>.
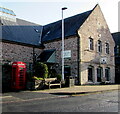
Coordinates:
<point>95,27</point>
<point>14,52</point>
<point>70,44</point>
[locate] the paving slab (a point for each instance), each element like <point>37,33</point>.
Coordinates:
<point>81,89</point>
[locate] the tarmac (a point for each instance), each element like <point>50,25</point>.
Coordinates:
<point>80,89</point>
<point>28,95</point>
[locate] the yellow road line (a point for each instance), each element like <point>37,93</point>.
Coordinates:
<point>27,100</point>
<point>5,97</point>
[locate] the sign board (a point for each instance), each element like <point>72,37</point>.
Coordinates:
<point>103,60</point>
<point>67,54</point>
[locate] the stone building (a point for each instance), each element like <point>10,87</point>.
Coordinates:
<point>90,43</point>
<point>20,38</point>
<point>89,46</point>
<point>116,37</point>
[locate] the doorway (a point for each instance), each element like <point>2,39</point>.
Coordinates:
<point>99,74</point>
<point>67,71</point>
<point>90,74</point>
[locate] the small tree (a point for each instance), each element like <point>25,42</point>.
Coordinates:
<point>41,70</point>
<point>59,76</point>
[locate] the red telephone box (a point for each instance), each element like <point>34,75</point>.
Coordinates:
<point>18,75</point>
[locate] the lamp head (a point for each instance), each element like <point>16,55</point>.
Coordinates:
<point>64,8</point>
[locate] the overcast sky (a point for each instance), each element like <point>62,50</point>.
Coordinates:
<point>47,11</point>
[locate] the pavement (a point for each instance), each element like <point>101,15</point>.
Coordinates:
<point>28,96</point>
<point>80,89</point>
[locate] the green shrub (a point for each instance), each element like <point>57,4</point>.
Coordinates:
<point>52,73</point>
<point>41,70</point>
<point>59,76</point>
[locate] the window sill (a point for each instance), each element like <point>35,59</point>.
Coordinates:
<point>107,53</point>
<point>99,52</point>
<point>89,50</point>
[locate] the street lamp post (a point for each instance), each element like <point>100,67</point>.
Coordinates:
<point>64,8</point>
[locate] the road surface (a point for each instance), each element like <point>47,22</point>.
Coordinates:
<point>44,102</point>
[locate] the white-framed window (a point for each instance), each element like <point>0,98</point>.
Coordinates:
<point>99,46</point>
<point>107,48</point>
<point>91,44</point>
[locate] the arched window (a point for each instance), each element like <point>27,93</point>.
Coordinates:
<point>91,44</point>
<point>99,46</point>
<point>107,48</point>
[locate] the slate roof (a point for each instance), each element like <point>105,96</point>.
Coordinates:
<point>26,32</point>
<point>116,37</point>
<point>24,22</point>
<point>45,55</point>
<point>21,32</point>
<point>53,31</point>
<point>117,60</point>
